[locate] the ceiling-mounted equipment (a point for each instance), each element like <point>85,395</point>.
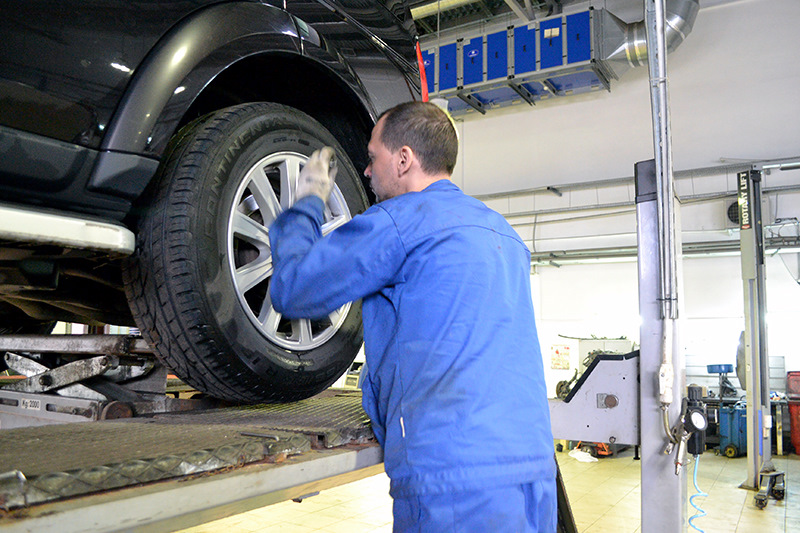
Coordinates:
<point>624,45</point>
<point>427,10</point>
<point>552,57</point>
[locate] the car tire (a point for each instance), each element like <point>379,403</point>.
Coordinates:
<point>198,283</point>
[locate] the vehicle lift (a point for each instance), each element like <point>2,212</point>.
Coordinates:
<point>74,364</point>
<point>186,461</point>
<point>638,399</point>
<point>761,473</point>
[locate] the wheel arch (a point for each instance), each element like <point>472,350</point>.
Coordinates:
<point>231,54</point>
<point>305,84</point>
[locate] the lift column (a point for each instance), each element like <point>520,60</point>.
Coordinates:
<point>759,419</point>
<point>663,503</point>
<point>661,365</point>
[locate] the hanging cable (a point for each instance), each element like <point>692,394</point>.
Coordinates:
<point>699,493</point>
<point>423,77</point>
<point>438,25</point>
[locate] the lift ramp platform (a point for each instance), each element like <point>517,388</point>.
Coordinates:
<point>94,442</point>
<point>168,471</point>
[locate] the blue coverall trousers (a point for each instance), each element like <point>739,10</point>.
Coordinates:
<point>527,508</point>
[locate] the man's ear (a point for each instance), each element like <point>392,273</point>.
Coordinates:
<point>405,160</point>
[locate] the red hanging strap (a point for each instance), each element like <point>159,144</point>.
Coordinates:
<point>422,77</point>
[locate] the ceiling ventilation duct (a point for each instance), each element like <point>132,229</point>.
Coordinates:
<point>427,10</point>
<point>497,65</point>
<point>625,45</point>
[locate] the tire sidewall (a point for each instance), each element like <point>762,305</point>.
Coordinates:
<point>249,141</point>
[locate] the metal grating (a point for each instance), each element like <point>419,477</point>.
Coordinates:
<point>72,459</point>
<point>39,464</point>
<point>333,418</point>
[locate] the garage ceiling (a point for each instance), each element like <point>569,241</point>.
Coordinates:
<point>446,14</point>
<point>431,15</point>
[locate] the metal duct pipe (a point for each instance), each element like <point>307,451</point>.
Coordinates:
<point>625,45</point>
<point>431,9</point>
<point>525,11</point>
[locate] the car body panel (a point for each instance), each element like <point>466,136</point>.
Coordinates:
<point>167,80</point>
<point>92,91</point>
<point>116,79</point>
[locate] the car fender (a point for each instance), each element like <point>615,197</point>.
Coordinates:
<point>185,61</point>
<point>193,53</point>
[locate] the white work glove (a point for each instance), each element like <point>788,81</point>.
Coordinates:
<point>317,175</point>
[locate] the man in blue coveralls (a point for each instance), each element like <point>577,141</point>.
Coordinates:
<point>455,383</point>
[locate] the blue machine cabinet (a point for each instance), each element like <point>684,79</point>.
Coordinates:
<point>551,43</point>
<point>579,44</point>
<point>448,75</point>
<point>492,67</point>
<point>733,430</point>
<point>497,55</point>
<point>429,61</point>
<point>473,61</point>
<point>524,49</point>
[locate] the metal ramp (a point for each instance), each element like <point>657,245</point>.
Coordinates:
<point>184,468</point>
<point>150,462</point>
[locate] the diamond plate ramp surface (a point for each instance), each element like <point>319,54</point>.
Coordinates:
<point>49,462</point>
<point>332,418</point>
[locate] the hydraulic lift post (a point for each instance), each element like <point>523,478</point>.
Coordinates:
<point>663,504</point>
<point>656,425</point>
<point>661,368</point>
<point>759,452</point>
<point>761,474</point>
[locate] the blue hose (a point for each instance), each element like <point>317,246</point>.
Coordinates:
<point>700,513</point>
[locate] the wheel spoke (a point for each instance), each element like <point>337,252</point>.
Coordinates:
<point>336,316</point>
<point>334,223</point>
<point>264,195</point>
<point>249,229</point>
<point>269,318</point>
<point>290,170</point>
<point>253,273</point>
<point>301,331</point>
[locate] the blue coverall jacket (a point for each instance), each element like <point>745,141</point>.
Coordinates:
<point>455,386</point>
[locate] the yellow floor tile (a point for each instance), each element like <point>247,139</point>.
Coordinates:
<point>349,526</point>
<point>285,528</point>
<point>313,520</point>
<point>613,525</point>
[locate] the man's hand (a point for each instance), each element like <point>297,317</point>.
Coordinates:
<point>317,175</point>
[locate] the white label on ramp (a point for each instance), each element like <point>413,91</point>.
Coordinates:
<point>31,404</point>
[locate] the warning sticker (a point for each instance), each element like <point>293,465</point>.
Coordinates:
<point>559,356</point>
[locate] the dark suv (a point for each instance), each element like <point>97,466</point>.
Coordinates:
<point>145,148</point>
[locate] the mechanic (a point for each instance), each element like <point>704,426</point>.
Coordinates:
<point>455,382</point>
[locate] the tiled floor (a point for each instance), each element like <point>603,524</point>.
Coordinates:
<point>604,497</point>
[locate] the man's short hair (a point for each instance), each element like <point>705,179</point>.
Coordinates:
<point>427,130</point>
